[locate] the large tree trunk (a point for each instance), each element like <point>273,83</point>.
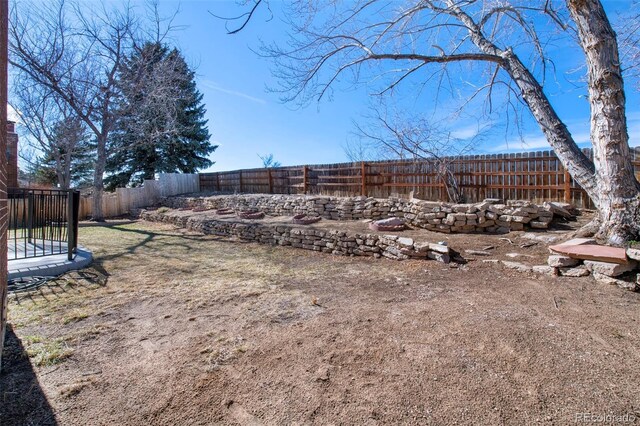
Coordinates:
<point>67,170</point>
<point>557,134</point>
<point>98,180</point>
<point>62,171</point>
<point>615,179</point>
<point>609,179</point>
<point>59,172</point>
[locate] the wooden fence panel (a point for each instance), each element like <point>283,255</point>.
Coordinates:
<point>126,199</point>
<point>537,176</point>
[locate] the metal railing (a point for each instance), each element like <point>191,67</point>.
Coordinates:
<point>42,222</point>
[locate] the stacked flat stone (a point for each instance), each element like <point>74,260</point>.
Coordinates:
<point>488,216</point>
<point>326,241</point>
<point>606,264</point>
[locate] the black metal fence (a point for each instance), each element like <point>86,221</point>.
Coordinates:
<point>42,222</point>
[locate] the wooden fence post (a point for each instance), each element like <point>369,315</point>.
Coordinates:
<point>270,181</point>
<point>218,181</point>
<point>482,168</point>
<point>363,175</point>
<point>240,181</point>
<point>567,186</point>
<point>304,180</point>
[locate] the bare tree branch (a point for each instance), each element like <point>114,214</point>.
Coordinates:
<point>243,18</point>
<point>76,53</point>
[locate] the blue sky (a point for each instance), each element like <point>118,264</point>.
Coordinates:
<point>245,119</point>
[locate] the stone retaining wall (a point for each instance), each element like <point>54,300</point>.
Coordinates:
<point>326,241</point>
<point>488,216</point>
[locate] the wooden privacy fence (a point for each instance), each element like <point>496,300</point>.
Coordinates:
<point>537,176</point>
<point>125,199</point>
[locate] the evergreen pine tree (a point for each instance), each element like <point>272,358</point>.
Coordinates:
<point>162,128</point>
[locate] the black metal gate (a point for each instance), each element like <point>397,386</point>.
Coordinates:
<point>42,222</point>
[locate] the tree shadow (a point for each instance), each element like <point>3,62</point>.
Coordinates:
<point>149,236</point>
<point>23,401</point>
<point>110,224</point>
<point>46,289</point>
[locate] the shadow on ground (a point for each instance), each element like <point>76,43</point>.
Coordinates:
<point>23,400</point>
<point>148,236</point>
<point>110,224</point>
<point>46,289</point>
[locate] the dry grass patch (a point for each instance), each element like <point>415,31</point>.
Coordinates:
<point>75,316</point>
<point>46,352</point>
<point>69,390</point>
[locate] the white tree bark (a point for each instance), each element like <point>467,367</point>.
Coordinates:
<point>556,132</point>
<point>615,179</point>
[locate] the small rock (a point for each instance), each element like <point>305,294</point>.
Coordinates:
<point>544,270</point>
<point>578,271</point>
<point>633,253</point>
<point>514,255</point>
<point>405,242</point>
<point>421,247</point>
<point>609,269</point>
<point>614,281</point>
<point>529,244</point>
<point>482,206</point>
<point>439,248</point>
<point>478,252</point>
<point>539,237</point>
<point>440,257</point>
<point>490,261</point>
<point>558,261</point>
<point>520,267</point>
<point>322,374</point>
<point>558,209</point>
<point>536,224</point>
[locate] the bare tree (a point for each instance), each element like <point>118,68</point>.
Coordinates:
<point>70,151</point>
<point>424,39</point>
<point>52,127</point>
<point>76,52</point>
<point>394,136</point>
<point>76,56</point>
<point>356,149</point>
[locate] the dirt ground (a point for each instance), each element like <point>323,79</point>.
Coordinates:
<point>173,328</point>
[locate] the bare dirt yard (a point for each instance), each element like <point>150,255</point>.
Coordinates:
<point>174,328</point>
